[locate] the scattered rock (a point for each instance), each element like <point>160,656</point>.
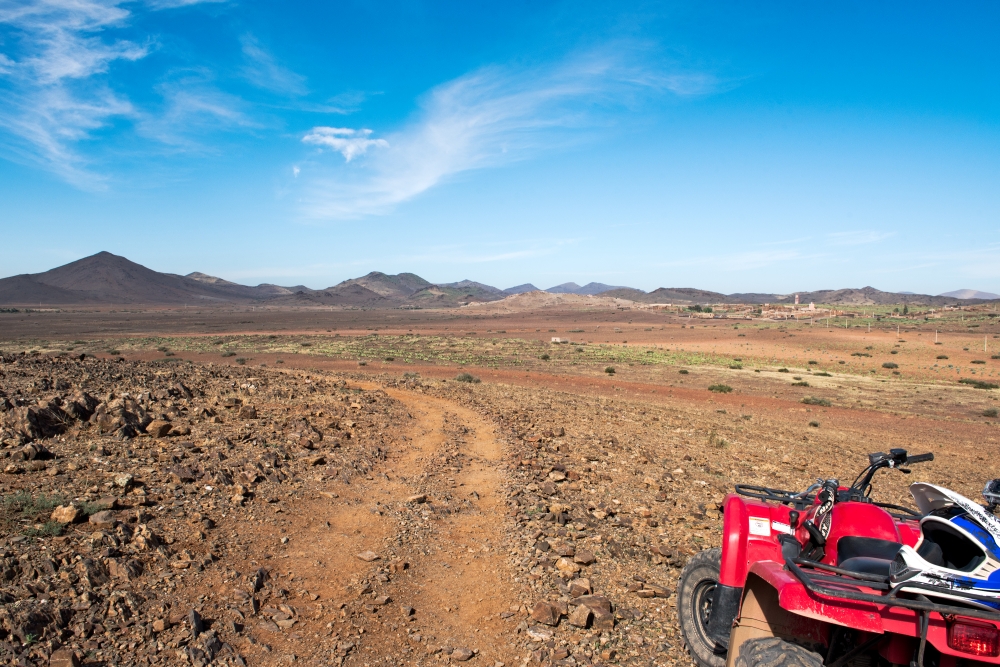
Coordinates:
<point>65,514</point>
<point>104,519</point>
<point>368,556</point>
<point>461,654</point>
<point>545,612</point>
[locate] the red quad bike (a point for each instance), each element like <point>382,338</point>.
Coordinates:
<point>824,577</point>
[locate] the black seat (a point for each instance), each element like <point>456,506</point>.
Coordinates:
<point>868,555</point>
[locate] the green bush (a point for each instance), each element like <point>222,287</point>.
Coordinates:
<point>860,354</point>
<point>390,358</point>
<point>784,370</point>
<point>683,371</point>
<point>977,361</point>
<point>800,384</point>
<point>814,424</point>
<point>240,360</point>
<point>813,363</point>
<point>720,388</point>
<point>736,366</point>
<point>228,353</point>
<point>544,357</point>
<point>812,400</point>
<point>822,374</point>
<point>610,370</point>
<point>942,356</point>
<point>979,384</point>
<point>990,412</point>
<point>467,377</point>
<point>890,364</point>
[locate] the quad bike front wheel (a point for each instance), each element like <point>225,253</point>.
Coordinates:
<point>776,652</point>
<point>694,607</point>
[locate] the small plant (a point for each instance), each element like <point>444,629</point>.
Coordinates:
<point>279,361</point>
<point>812,400</point>
<point>390,358</point>
<point>990,412</point>
<point>240,360</point>
<point>942,356</point>
<point>995,356</point>
<point>784,370</point>
<point>544,357</point>
<point>890,364</point>
<point>979,384</point>
<point>715,441</point>
<point>736,366</point>
<point>822,374</point>
<point>228,353</point>
<point>860,354</point>
<point>977,361</point>
<point>812,362</point>
<point>720,388</point>
<point>48,529</point>
<point>800,384</point>
<point>893,351</point>
<point>114,352</point>
<point>467,377</point>
<point>610,370</point>
<point>362,363</point>
<point>305,344</point>
<point>683,371</point>
<point>814,424</point>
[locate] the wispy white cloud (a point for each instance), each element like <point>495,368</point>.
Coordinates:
<point>173,4</point>
<point>860,237</point>
<point>349,143</point>
<point>192,104</point>
<point>490,117</point>
<point>53,93</point>
<point>263,71</point>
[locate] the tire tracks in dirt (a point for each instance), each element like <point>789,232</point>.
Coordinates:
<point>458,579</point>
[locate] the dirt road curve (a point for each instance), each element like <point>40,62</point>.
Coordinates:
<point>456,580</point>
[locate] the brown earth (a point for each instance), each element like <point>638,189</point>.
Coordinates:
<point>467,493</point>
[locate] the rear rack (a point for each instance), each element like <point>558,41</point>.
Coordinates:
<point>818,584</point>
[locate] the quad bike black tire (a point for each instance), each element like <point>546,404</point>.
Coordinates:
<point>776,652</point>
<point>694,607</point>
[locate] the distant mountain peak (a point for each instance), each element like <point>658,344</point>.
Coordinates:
<point>970,294</point>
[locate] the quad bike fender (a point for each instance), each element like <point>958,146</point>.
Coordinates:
<point>792,596</point>
<point>750,532</point>
<point>761,615</point>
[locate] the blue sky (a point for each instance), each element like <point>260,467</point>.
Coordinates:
<point>729,146</point>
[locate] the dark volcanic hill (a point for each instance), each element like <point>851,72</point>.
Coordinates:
<point>397,287</point>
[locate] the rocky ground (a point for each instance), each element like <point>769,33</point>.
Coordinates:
<point>170,512</point>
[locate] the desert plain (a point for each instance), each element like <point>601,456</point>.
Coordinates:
<point>342,486</point>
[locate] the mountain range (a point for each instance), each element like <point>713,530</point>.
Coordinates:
<point>107,279</point>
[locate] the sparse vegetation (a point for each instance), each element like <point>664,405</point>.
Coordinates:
<point>784,370</point>
<point>979,384</point>
<point>814,424</point>
<point>683,371</point>
<point>890,364</point>
<point>990,412</point>
<point>822,374</point>
<point>942,356</point>
<point>800,384</point>
<point>467,377</point>
<point>977,361</point>
<point>720,388</point>
<point>610,370</point>
<point>860,354</point>
<point>813,362</point>
<point>812,400</point>
<point>240,360</point>
<point>544,357</point>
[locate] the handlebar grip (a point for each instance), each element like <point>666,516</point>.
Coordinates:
<point>920,458</point>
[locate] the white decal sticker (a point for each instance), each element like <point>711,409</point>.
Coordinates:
<point>781,527</point>
<point>760,527</point>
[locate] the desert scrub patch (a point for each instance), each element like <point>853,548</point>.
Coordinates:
<point>822,374</point>
<point>814,424</point>
<point>942,356</point>
<point>683,371</point>
<point>467,377</point>
<point>736,366</point>
<point>240,360</point>
<point>979,384</point>
<point>990,412</point>
<point>812,400</point>
<point>610,370</point>
<point>28,505</point>
<point>784,370</point>
<point>812,362</point>
<point>803,383</point>
<point>720,388</point>
<point>228,353</point>
<point>977,361</point>
<point>544,357</point>
<point>860,354</point>
<point>890,364</point>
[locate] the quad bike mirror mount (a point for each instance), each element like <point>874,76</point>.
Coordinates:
<point>991,494</point>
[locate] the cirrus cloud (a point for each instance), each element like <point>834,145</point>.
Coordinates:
<point>346,141</point>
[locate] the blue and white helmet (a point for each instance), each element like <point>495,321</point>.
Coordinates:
<point>958,551</point>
